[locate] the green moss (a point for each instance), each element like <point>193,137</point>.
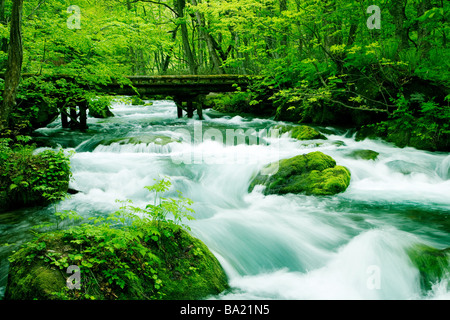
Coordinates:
<point>128,264</point>
<point>27,179</point>
<point>364,154</point>
<point>306,133</point>
<point>100,107</point>
<point>301,132</point>
<point>193,272</point>
<point>313,174</point>
<point>137,101</point>
<point>432,263</point>
<point>147,139</point>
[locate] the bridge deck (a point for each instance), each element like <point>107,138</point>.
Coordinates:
<point>188,92</point>
<point>185,85</point>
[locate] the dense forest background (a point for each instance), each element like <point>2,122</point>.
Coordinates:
<point>329,62</point>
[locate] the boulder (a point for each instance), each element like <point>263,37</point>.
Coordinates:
<point>433,264</point>
<point>137,101</point>
<point>146,139</point>
<point>363,154</point>
<point>28,179</point>
<point>173,266</point>
<point>100,107</point>
<point>301,132</point>
<point>406,167</point>
<point>313,174</point>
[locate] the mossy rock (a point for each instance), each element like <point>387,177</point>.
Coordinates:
<point>100,107</point>
<point>364,154</point>
<point>25,178</point>
<point>405,167</point>
<point>313,174</point>
<point>34,282</point>
<point>185,268</point>
<point>432,263</point>
<point>147,139</point>
<point>301,132</point>
<point>103,113</point>
<point>137,101</point>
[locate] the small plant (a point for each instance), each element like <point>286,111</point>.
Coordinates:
<point>166,210</point>
<point>120,253</point>
<point>27,178</point>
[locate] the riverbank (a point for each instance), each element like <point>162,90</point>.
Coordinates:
<point>270,246</point>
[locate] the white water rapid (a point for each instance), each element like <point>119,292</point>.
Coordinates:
<point>349,246</point>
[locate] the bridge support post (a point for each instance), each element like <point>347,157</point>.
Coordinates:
<point>83,106</point>
<point>200,102</point>
<point>190,108</point>
<point>73,119</point>
<point>189,103</point>
<point>199,110</point>
<point>179,103</point>
<point>64,117</point>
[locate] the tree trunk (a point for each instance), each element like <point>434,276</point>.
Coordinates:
<point>422,31</point>
<point>14,67</point>
<point>179,8</point>
<point>397,11</point>
<point>214,57</point>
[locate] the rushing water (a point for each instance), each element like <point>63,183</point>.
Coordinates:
<point>349,246</point>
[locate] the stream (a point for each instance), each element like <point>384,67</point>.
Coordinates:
<point>349,246</point>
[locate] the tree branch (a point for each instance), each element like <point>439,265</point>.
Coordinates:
<point>158,3</point>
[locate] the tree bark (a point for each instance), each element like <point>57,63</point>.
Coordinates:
<point>179,8</point>
<point>14,67</point>
<point>214,57</point>
<point>397,11</point>
<point>422,31</point>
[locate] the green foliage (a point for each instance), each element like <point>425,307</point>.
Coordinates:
<point>314,61</point>
<point>164,210</point>
<point>27,178</point>
<point>418,122</point>
<point>233,102</point>
<point>135,100</point>
<point>133,253</point>
<point>99,107</point>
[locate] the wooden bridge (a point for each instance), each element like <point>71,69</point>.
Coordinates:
<point>188,92</point>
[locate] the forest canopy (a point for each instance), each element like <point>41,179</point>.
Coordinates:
<point>310,58</point>
<point>232,36</point>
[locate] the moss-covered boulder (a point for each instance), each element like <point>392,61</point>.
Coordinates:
<point>314,173</point>
<point>146,139</point>
<point>100,107</point>
<point>301,132</point>
<point>28,179</point>
<point>137,101</point>
<point>432,263</point>
<point>364,154</point>
<point>406,167</point>
<point>145,261</point>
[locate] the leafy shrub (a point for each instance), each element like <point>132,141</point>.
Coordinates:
<point>133,253</point>
<point>99,107</point>
<point>31,179</point>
